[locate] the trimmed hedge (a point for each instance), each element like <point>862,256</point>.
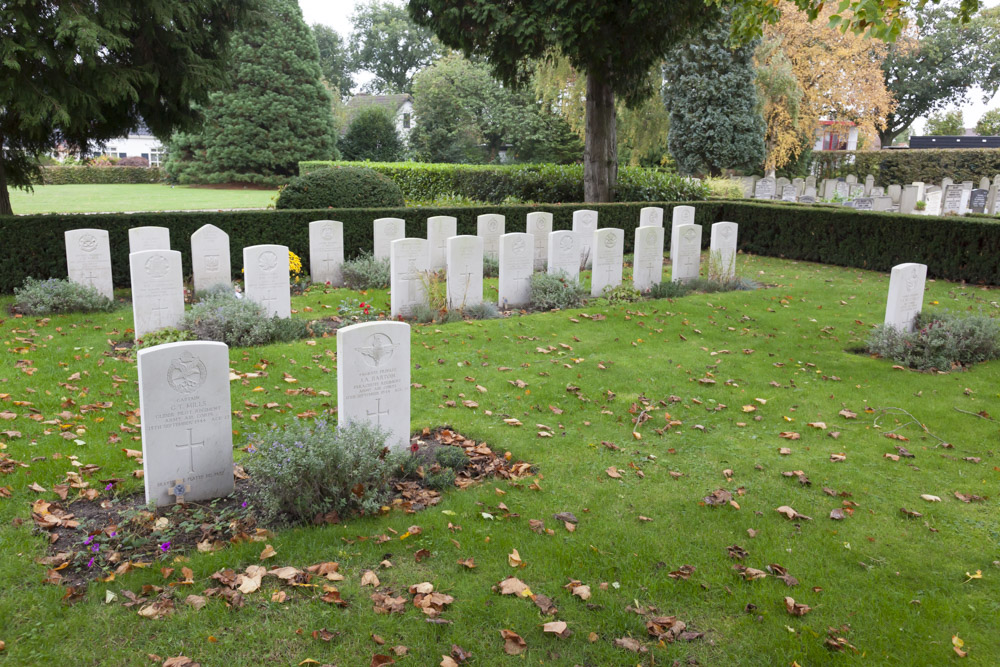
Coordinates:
<point>101,175</point>
<point>954,249</point>
<point>340,187</point>
<point>910,165</point>
<point>543,183</point>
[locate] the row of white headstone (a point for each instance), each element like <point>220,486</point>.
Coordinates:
<point>186,411</point>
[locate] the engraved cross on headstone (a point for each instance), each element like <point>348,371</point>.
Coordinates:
<point>190,445</point>
<point>268,298</point>
<point>158,312</point>
<point>328,260</point>
<point>90,277</point>
<point>378,412</point>
<point>519,282</point>
<point>608,270</point>
<point>178,489</point>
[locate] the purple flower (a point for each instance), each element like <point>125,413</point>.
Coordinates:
<point>89,540</point>
<point>90,563</point>
<point>110,486</point>
<point>114,533</point>
<point>165,547</point>
<point>95,548</point>
<point>244,504</point>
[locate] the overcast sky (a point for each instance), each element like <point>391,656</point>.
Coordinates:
<point>337,15</point>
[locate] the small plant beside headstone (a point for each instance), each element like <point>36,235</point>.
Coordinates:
<point>55,295</point>
<point>942,342</point>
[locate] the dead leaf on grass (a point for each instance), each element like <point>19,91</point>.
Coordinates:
<point>512,643</point>
<point>796,609</point>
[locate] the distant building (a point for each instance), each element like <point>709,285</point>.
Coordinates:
<point>138,143</point>
<point>964,141</point>
<point>400,107</point>
<point>836,135</point>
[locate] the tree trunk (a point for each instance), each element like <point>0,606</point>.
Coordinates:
<point>5,208</point>
<point>600,154</point>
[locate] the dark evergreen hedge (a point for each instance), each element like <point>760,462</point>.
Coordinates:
<point>953,248</point>
<point>911,165</point>
<point>101,175</point>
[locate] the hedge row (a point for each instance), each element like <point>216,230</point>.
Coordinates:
<point>548,183</point>
<point>910,165</point>
<point>954,249</point>
<point>101,175</point>
<point>40,253</point>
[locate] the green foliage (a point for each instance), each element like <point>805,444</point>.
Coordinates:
<point>940,66</point>
<point>352,311</point>
<point>95,71</point>
<point>387,43</point>
<point>484,310</point>
<point>621,293</point>
<point>723,188</point>
<point>372,136</point>
<point>491,266</point>
<point>56,295</point>
<point>989,124</point>
<point>945,123</point>
<point>943,342</point>
<point>58,175</point>
<point>314,467</point>
<point>454,458</point>
<point>366,272</point>
<point>340,187</point>
<point>334,59</point>
<point>550,292</point>
<point>276,113</point>
<point>530,182</point>
<point>715,123</point>
<point>908,166</point>
<point>164,336</point>
<point>669,289</point>
<point>220,316</point>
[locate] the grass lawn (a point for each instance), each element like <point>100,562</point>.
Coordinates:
<point>144,197</point>
<point>895,586</point>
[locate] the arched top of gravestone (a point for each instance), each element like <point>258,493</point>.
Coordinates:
<point>491,217</point>
<point>148,238</point>
<point>209,233</point>
<point>442,219</point>
<point>585,215</point>
<point>541,217</point>
<point>683,215</point>
<point>86,240</point>
<point>609,237</point>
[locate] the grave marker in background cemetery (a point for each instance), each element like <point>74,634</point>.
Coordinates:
<point>881,203</point>
<point>842,190</point>
<point>722,250</point>
<point>385,231</point>
<point>266,273</point>
<point>157,290</point>
<point>963,207</point>
<point>921,189</point>
<point>851,179</point>
<point>991,200</point>
<point>584,228</point>
<point>908,200</point>
<point>210,261</point>
<point>984,183</point>
<point>788,193</point>
<point>869,184</point>
<point>800,186</point>
<point>952,199</point>
<point>647,265</point>
<point>906,295</point>
<point>407,275</point>
<point>686,253</point>
<point>88,259</point>
<point>440,228</point>
<point>764,189</point>
<point>933,201</point>
<point>650,216</point>
<point>148,238</point>
<point>609,247</point>
<point>490,228</point>
<point>187,431</point>
<point>864,204</point>
<point>326,252</point>
<point>564,254</point>
<point>682,215</point>
<point>895,193</point>
<point>856,191</point>
<point>373,378</point>
<point>877,191</point>
<point>977,200</point>
<point>465,271</point>
<point>517,263</point>
<point>539,224</point>
<point>945,182</point>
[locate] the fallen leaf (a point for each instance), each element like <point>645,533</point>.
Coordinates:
<point>796,609</point>
<point>791,513</point>
<point>512,643</point>
<point>368,578</point>
<point>514,559</point>
<point>631,645</point>
<point>929,498</point>
<point>268,552</point>
<point>612,472</point>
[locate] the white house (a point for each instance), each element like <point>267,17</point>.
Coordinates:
<point>399,106</point>
<point>836,135</point>
<point>140,143</point>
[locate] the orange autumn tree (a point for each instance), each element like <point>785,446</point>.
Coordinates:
<point>807,71</point>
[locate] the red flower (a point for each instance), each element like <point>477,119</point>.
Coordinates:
<point>414,447</point>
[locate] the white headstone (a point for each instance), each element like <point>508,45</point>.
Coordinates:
<point>647,265</point>
<point>842,190</point>
<point>722,251</point>
<point>906,295</point>
<point>682,215</point>
<point>685,256</point>
<point>440,228</point>
<point>908,200</point>
<point>148,238</point>
<point>968,185</point>
<point>764,189</point>
<point>373,378</point>
<point>932,201</point>
<point>326,252</point>
<point>465,271</point>
<point>517,263</point>
<point>651,216</point>
<point>88,259</point>
<point>810,181</point>
<point>984,183</point>
<point>265,271</point>
<point>490,228</point>
<point>210,258</point>
<point>187,430</point>
<point>963,207</point>
<point>952,199</point>
<point>895,192</point>
<point>387,230</point>
<point>877,191</point>
<point>539,224</point>
<point>407,276</point>
<point>921,188</point>
<point>945,182</point>
<point>851,179</point>
<point>881,203</point>
<point>157,290</point>
<point>800,186</point>
<point>564,254</point>
<point>991,200</point>
<point>609,249</point>
<point>869,184</point>
<point>584,227</point>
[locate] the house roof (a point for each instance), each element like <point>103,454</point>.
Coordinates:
<point>391,103</point>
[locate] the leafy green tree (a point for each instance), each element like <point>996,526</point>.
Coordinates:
<point>946,124</point>
<point>715,122</point>
<point>372,136</point>
<point>938,63</point>
<point>276,114</point>
<point>387,43</point>
<point>989,124</point>
<point>96,70</point>
<point>334,59</point>
<point>616,43</point>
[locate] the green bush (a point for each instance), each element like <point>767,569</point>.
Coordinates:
<point>63,175</point>
<point>55,295</point>
<point>549,292</point>
<point>366,272</point>
<point>309,468</point>
<point>622,293</point>
<point>909,166</point>
<point>372,135</point>
<point>669,289</point>
<point>485,310</point>
<point>340,187</point>
<point>452,457</point>
<point>220,316</point>
<point>164,336</point>
<point>491,266</point>
<point>943,342</point>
